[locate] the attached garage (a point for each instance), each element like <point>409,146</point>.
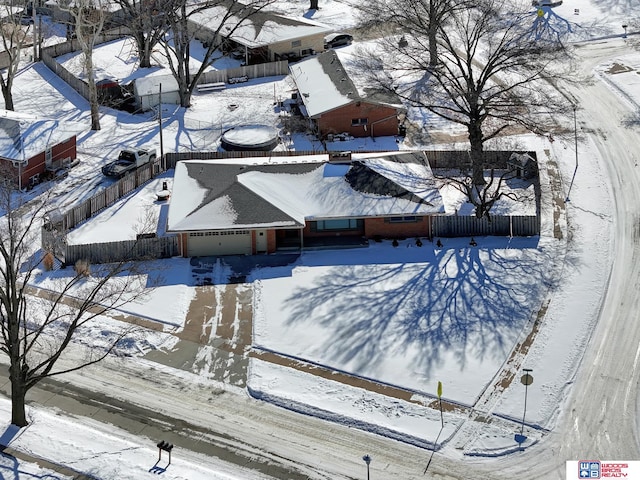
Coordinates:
<point>229,242</point>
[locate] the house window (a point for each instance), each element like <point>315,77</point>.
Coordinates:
<point>219,233</point>
<point>408,219</point>
<point>296,43</point>
<point>359,121</point>
<point>337,224</point>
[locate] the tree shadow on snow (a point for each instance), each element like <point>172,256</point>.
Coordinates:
<point>460,302</point>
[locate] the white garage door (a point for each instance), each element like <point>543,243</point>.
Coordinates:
<point>233,242</point>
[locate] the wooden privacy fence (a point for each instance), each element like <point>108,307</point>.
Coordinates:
<point>141,249</point>
<point>110,195</point>
<point>463,226</point>
<point>54,231</point>
<point>259,70</point>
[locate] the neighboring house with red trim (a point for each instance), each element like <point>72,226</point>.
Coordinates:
<point>334,103</point>
<point>31,147</point>
<point>249,207</point>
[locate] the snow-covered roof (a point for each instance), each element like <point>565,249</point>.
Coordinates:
<point>325,84</point>
<point>260,28</point>
<point>151,85</point>
<point>210,195</point>
<point>24,136</point>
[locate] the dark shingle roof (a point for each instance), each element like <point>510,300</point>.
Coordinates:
<point>334,69</point>
<point>222,179</point>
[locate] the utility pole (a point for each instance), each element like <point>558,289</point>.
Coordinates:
<point>164,165</point>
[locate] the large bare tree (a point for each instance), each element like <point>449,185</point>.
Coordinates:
<point>38,326</point>
<point>221,19</point>
<point>418,18</point>
<point>15,37</point>
<point>147,21</point>
<point>495,63</point>
<point>88,21</point>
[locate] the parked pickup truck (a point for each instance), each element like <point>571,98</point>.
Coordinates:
<point>128,160</point>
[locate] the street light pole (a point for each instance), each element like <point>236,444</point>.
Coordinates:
<point>575,134</point>
<point>527,379</point>
<point>575,139</point>
<point>367,460</point>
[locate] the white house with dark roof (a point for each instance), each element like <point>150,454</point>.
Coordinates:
<point>335,104</point>
<point>246,207</point>
<point>30,146</point>
<point>263,36</point>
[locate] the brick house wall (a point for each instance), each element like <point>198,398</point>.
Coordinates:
<point>182,244</point>
<point>66,149</point>
<point>381,120</point>
<point>382,227</point>
<point>271,241</point>
<point>36,165</point>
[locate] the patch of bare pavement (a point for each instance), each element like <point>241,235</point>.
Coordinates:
<point>216,335</point>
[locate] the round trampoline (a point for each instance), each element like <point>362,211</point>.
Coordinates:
<point>250,137</point>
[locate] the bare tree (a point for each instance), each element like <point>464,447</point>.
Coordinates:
<point>223,18</point>
<point>418,18</point>
<point>88,18</point>
<point>37,327</point>
<point>15,36</point>
<point>147,21</point>
<point>491,77</point>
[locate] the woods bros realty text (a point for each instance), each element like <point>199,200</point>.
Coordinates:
<point>603,469</point>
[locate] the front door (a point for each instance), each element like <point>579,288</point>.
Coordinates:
<point>261,241</point>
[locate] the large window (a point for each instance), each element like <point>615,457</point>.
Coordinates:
<point>337,224</point>
<point>408,219</point>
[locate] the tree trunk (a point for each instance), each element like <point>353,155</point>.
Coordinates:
<point>8,97</point>
<point>18,394</point>
<point>313,5</point>
<point>93,92</point>
<point>144,52</point>
<point>432,35</point>
<point>477,154</point>
<point>185,97</point>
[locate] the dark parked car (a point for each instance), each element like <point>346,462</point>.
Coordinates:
<point>337,40</point>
